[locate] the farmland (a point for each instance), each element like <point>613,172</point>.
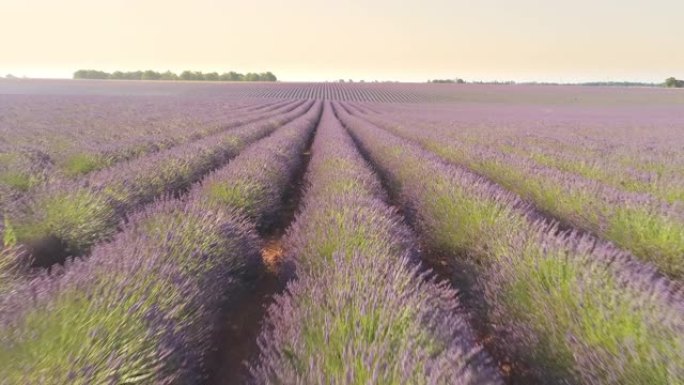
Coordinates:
<point>340,233</point>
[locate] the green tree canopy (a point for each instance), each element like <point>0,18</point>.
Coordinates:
<point>673,82</point>
<point>168,75</point>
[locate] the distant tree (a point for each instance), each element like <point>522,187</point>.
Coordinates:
<point>133,75</point>
<point>211,76</point>
<point>268,77</point>
<point>90,74</point>
<point>341,80</point>
<point>252,77</point>
<point>457,81</point>
<point>187,75</point>
<point>10,76</point>
<point>168,75</point>
<point>674,83</point>
<point>118,75</point>
<point>150,75</point>
<point>231,76</point>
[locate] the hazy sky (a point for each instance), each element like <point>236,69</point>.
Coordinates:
<point>408,40</point>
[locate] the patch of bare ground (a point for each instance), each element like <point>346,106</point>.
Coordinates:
<point>236,340</point>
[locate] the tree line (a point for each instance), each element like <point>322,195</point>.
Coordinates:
<point>185,75</point>
<point>447,81</point>
<point>670,82</point>
<point>674,83</point>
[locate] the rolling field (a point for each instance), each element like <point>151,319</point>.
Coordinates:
<point>337,233</point>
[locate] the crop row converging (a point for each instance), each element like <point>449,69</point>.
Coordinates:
<point>554,270</point>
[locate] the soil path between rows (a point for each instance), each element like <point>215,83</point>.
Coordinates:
<point>445,267</point>
<point>236,341</point>
<point>241,323</point>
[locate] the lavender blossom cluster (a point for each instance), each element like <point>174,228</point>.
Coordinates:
<point>258,176</point>
<point>573,308</point>
<point>144,307</point>
<point>646,225</point>
<point>361,310</point>
<point>70,217</point>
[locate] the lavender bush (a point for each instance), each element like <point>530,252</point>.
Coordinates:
<point>24,168</point>
<point>575,309</point>
<point>79,214</point>
<point>138,311</point>
<point>143,308</point>
<point>360,311</point>
<point>257,178</point>
<point>78,135</point>
<point>640,223</point>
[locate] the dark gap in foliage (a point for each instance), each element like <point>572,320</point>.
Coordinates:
<point>459,275</point>
<point>44,252</point>
<point>236,340</point>
<point>239,325</point>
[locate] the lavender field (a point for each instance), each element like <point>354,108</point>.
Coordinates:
<point>340,233</point>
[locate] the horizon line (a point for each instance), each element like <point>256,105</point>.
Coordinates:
<point>350,80</point>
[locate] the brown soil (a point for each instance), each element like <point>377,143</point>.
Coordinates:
<point>512,371</point>
<point>237,342</point>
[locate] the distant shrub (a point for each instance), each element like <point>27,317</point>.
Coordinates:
<point>672,82</point>
<point>457,81</point>
<point>150,75</point>
<point>168,75</point>
<point>211,76</point>
<point>91,74</point>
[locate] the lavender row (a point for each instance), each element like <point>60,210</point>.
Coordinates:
<point>22,174</point>
<point>259,176</point>
<point>23,169</point>
<point>107,155</point>
<point>73,216</point>
<point>360,310</point>
<point>70,135</point>
<point>655,176</point>
<point>570,307</point>
<point>58,127</point>
<point>121,151</point>
<point>13,259</point>
<point>391,93</point>
<point>635,149</point>
<point>144,307</point>
<point>648,228</point>
<point>623,150</point>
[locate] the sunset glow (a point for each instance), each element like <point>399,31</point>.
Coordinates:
<point>327,40</point>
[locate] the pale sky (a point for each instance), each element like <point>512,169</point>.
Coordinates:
<point>409,40</point>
